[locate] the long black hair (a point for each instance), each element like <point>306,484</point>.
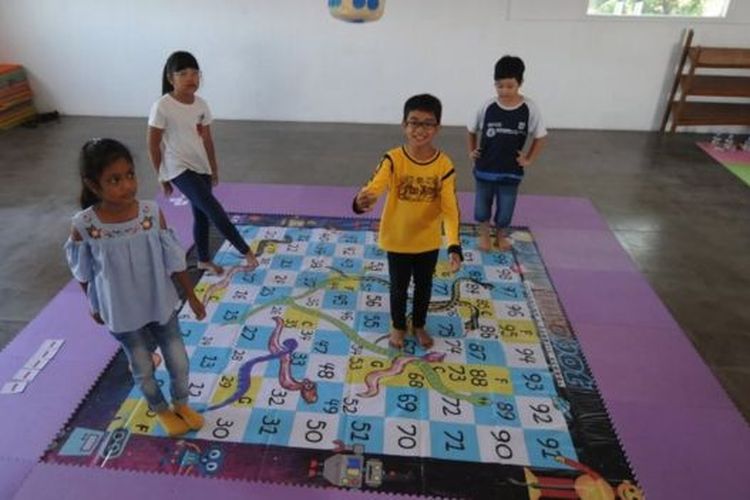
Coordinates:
<point>96,155</point>
<point>177,61</point>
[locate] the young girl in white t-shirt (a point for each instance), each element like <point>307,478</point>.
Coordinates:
<point>182,152</point>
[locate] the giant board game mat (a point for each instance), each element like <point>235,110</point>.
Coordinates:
<point>298,385</point>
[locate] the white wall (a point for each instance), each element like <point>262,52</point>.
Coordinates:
<point>289,60</point>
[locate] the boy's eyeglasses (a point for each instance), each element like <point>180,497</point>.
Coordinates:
<point>425,125</point>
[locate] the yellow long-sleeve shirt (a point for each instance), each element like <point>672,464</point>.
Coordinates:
<point>421,201</point>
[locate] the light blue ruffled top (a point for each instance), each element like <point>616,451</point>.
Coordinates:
<point>127,266</point>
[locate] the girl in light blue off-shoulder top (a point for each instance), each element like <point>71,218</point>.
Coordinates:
<point>124,256</point>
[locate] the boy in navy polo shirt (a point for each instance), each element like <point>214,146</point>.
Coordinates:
<point>505,137</point>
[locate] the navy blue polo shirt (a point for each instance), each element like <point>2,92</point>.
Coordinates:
<point>503,132</point>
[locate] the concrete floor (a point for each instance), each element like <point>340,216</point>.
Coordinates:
<point>681,217</point>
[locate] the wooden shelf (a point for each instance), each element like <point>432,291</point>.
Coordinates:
<point>717,57</point>
<point>731,90</point>
<point>710,113</point>
<point>713,85</point>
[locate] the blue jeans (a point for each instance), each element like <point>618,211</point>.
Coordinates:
<point>197,188</point>
<point>503,195</point>
<point>138,346</point>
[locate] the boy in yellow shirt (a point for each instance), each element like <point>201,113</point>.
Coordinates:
<point>421,202</point>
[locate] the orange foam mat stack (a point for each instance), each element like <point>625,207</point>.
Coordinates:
<point>16,105</point>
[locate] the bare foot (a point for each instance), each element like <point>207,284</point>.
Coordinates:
<point>251,261</point>
<point>503,243</point>
<point>396,339</point>
<point>484,239</point>
<point>423,338</point>
<point>210,268</point>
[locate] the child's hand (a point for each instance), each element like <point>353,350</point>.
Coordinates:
<point>97,318</point>
<point>476,154</point>
<point>523,160</point>
<point>167,188</point>
<point>455,262</point>
<point>366,200</point>
<point>214,179</point>
<point>197,306</point>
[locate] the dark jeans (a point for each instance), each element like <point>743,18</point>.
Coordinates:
<point>504,197</point>
<point>401,268</point>
<point>197,188</point>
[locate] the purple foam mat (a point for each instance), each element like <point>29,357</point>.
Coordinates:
<point>645,367</point>
<point>82,482</point>
<point>593,250</point>
<point>12,475</point>
<point>609,298</point>
<point>534,211</point>
<point>622,360</point>
<point>733,157</point>
<point>685,453</point>
<point>52,397</point>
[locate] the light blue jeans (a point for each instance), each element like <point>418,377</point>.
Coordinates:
<point>504,197</point>
<point>138,346</point>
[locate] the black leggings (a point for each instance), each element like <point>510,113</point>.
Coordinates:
<point>401,268</point>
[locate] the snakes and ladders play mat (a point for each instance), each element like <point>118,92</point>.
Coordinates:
<point>297,383</point>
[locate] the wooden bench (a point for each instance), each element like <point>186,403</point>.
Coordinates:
<point>686,111</point>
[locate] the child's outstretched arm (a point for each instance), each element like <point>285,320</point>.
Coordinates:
<point>153,140</point>
<point>451,218</point>
<point>184,280</point>
<point>379,182</point>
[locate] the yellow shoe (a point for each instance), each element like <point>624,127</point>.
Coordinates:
<point>174,425</point>
<point>192,418</point>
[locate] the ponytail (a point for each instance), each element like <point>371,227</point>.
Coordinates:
<point>166,85</point>
<point>88,198</point>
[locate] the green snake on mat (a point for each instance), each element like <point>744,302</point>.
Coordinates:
<point>424,366</point>
<point>455,300</point>
<point>438,305</point>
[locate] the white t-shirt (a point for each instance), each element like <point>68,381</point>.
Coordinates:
<point>182,143</point>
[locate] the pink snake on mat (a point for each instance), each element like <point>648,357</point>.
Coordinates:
<point>228,275</point>
<point>308,390</point>
<point>224,282</point>
<point>306,387</point>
